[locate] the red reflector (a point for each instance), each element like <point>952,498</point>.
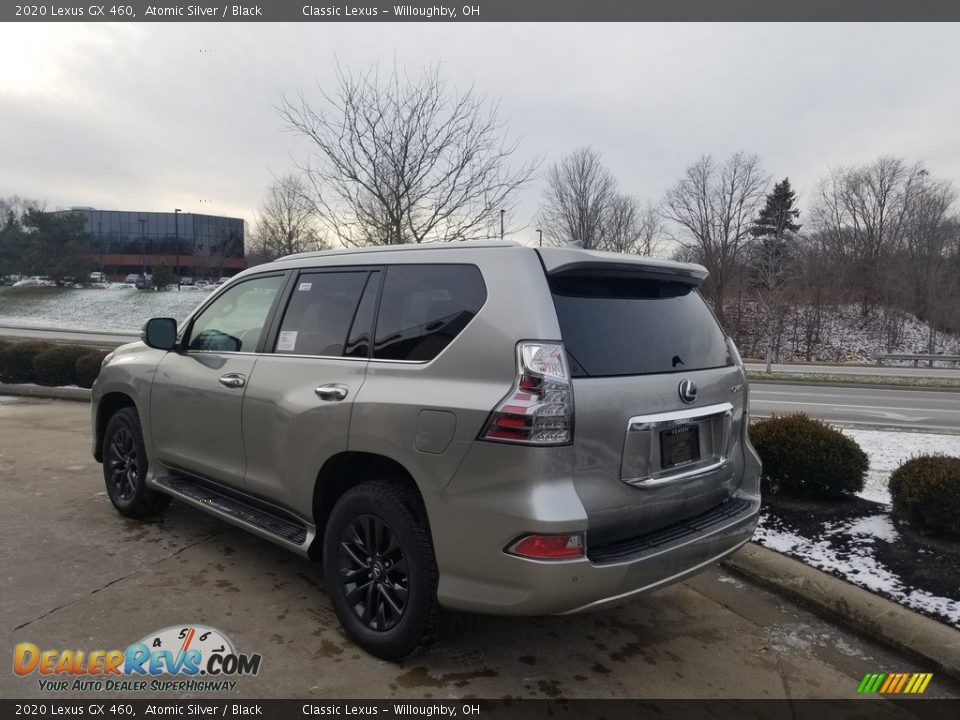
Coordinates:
<point>515,422</point>
<point>549,547</point>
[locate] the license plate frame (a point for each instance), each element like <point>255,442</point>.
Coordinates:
<point>679,446</point>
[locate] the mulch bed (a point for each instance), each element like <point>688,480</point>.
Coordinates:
<point>862,542</point>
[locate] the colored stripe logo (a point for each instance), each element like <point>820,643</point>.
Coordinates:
<point>894,683</point>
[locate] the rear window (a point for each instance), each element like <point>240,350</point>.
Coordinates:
<point>623,325</point>
<point>424,307</point>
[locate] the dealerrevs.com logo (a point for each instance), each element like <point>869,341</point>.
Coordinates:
<point>192,657</point>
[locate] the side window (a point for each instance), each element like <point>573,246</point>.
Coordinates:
<point>358,342</point>
<point>234,321</point>
<point>320,313</point>
<point>424,307</point>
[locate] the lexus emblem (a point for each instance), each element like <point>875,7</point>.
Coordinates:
<point>687,391</point>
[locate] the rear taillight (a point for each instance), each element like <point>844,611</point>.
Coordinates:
<point>538,410</point>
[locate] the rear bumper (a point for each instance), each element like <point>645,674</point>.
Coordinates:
<point>471,531</point>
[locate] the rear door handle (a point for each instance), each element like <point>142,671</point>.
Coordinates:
<point>331,392</point>
<point>233,380</point>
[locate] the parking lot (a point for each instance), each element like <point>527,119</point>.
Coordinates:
<point>76,575</point>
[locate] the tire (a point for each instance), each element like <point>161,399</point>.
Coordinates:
<point>125,467</point>
<point>386,599</point>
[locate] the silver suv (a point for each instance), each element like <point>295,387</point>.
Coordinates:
<point>480,427</point>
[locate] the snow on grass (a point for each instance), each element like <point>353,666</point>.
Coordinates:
<point>846,334</point>
<point>854,561</point>
<point>119,309</point>
<point>888,450</point>
<point>872,527</point>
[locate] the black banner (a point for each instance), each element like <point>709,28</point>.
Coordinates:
<point>482,11</point>
<point>109,709</point>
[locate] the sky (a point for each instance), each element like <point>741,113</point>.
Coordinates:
<point>155,116</point>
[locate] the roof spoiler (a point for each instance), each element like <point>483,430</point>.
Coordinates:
<point>562,260</point>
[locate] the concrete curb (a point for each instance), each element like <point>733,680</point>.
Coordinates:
<point>876,617</point>
<point>53,393</point>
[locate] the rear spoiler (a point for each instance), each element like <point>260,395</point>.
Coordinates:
<point>561,260</point>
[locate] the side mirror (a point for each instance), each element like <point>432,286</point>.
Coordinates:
<point>160,333</point>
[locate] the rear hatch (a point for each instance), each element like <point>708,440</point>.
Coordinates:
<point>658,397</point>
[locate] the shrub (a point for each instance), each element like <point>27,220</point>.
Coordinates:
<point>57,365</point>
<point>808,458</point>
<point>88,367</point>
<point>16,361</point>
<point>926,490</point>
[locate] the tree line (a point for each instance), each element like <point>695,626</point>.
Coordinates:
<point>400,158</point>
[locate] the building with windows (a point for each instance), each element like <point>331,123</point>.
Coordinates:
<point>190,244</point>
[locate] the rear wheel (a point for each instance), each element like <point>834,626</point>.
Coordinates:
<point>125,467</point>
<point>380,570</point>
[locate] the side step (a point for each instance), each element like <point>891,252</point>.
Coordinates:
<point>272,526</point>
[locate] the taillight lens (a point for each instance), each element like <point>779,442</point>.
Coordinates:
<point>548,547</point>
<point>539,408</point>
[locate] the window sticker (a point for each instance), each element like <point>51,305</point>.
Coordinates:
<point>305,287</point>
<point>287,342</point>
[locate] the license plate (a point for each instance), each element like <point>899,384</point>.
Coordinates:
<point>679,446</point>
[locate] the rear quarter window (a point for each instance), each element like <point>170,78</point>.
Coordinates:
<point>424,307</point>
<point>634,325</point>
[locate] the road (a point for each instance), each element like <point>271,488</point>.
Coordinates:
<point>918,410</point>
<point>937,372</point>
<point>80,576</point>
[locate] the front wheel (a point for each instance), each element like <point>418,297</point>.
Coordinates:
<point>380,570</point>
<point>125,467</point>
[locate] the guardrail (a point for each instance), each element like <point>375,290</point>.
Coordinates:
<point>916,359</point>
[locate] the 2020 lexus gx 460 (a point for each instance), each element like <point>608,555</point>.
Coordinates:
<point>483,427</point>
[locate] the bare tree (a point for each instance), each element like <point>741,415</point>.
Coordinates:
<point>287,222</point>
<point>652,239</point>
<point>714,206</point>
<point>931,225</point>
<point>401,159</point>
<point>863,212</point>
<point>580,195</point>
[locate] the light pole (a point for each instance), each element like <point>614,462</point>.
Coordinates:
<point>176,230</point>
<point>540,234</point>
<point>143,250</point>
<point>502,213</point>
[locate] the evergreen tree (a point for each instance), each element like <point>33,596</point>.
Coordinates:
<point>776,218</point>
<point>57,245</point>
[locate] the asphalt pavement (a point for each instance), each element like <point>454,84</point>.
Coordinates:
<point>918,410</point>
<point>77,575</point>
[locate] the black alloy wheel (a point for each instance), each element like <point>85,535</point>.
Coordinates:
<point>380,570</point>
<point>373,572</point>
<point>125,467</point>
<point>122,464</point>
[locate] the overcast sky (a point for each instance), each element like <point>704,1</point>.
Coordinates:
<point>136,117</point>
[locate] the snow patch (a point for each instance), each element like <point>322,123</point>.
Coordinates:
<point>855,562</point>
<point>888,450</point>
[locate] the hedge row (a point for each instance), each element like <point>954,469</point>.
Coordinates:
<point>49,364</point>
<point>803,457</point>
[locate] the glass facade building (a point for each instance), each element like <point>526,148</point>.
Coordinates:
<point>189,243</point>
